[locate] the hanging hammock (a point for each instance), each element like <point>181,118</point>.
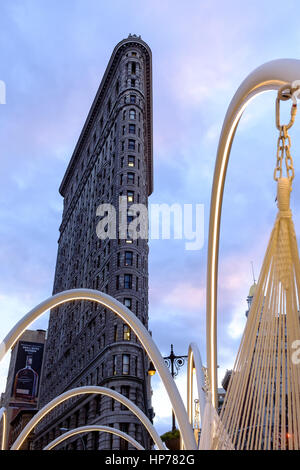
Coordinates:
<point>262,405</point>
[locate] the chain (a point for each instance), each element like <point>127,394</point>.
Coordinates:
<point>284,142</point>
<point>283,149</point>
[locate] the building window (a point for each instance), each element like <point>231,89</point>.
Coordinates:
<point>133,67</point>
<point>125,364</point>
<point>123,145</point>
<point>130,196</point>
<point>135,359</point>
<point>130,178</point>
<point>133,82</point>
<point>127,281</point>
<point>132,99</point>
<point>131,160</point>
<point>131,144</point>
<point>112,402</point>
<point>128,303</point>
<point>128,258</point>
<point>131,128</point>
<point>124,114</point>
<point>125,390</point>
<point>114,365</point>
<point>115,333</point>
<point>132,114</point>
<point>124,444</point>
<point>126,333</point>
<point>123,130</point>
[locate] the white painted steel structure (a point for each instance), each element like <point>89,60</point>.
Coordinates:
<point>137,327</point>
<point>82,391</point>
<point>99,428</point>
<point>269,76</point>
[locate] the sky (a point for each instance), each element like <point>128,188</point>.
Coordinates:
<point>53,56</point>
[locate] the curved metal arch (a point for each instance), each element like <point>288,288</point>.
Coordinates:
<point>269,76</point>
<point>3,418</point>
<point>92,389</point>
<point>95,427</point>
<point>137,327</point>
<point>195,362</point>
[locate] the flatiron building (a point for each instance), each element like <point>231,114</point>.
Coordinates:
<point>87,344</point>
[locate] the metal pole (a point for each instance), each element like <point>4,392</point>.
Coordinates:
<point>178,361</point>
<point>270,76</point>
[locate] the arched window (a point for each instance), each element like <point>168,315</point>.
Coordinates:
<point>132,114</point>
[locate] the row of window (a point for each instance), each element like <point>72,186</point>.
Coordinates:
<point>132,114</point>
<point>131,129</point>
<point>125,366</point>
<point>130,179</point>
<point>131,145</point>
<point>130,161</point>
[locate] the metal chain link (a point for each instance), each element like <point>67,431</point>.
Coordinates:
<point>284,143</point>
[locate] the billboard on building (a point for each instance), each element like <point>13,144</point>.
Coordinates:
<point>27,373</point>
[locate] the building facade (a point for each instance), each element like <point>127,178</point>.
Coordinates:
<point>23,402</point>
<point>87,344</point>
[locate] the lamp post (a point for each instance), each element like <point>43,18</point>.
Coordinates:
<point>173,363</point>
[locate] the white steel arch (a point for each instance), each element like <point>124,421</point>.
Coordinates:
<point>92,389</point>
<point>137,327</point>
<point>3,418</point>
<point>269,76</point>
<point>195,362</point>
<point>100,428</point>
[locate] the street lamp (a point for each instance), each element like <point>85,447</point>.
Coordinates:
<point>174,363</point>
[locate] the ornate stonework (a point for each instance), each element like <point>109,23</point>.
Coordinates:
<point>87,344</point>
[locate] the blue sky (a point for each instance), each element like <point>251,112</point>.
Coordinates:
<point>53,56</point>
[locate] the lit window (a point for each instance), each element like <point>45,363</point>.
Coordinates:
<point>125,364</point>
<point>130,196</point>
<point>126,333</point>
<point>132,114</point>
<point>131,160</point>
<point>131,128</point>
<point>114,365</point>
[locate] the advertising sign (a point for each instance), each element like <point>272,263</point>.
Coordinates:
<point>27,375</point>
